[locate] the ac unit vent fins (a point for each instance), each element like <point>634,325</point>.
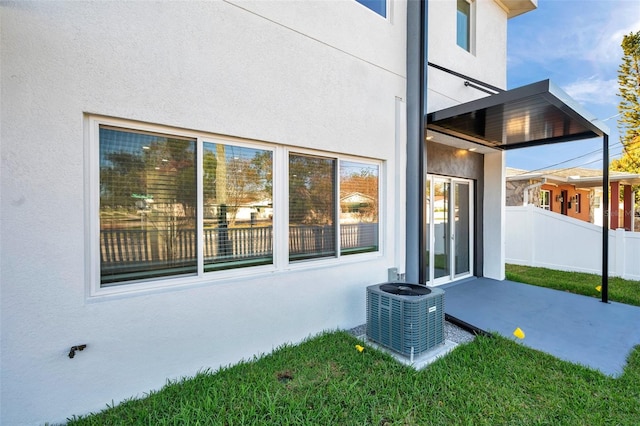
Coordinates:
<point>406,318</point>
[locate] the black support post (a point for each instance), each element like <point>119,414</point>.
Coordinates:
<point>416,151</point>
<point>605,219</point>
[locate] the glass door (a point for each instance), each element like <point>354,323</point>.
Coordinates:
<point>441,228</point>
<point>449,229</point>
<point>462,224</point>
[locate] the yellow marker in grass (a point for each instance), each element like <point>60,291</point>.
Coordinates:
<point>359,348</point>
<point>599,288</point>
<point>518,333</point>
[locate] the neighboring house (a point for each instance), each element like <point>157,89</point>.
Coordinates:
<point>138,137</point>
<point>574,192</point>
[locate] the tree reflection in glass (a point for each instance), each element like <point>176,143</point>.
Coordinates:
<point>312,208</point>
<point>147,205</point>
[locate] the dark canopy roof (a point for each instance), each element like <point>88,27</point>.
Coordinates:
<point>536,114</point>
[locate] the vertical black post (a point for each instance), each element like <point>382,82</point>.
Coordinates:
<point>605,219</point>
<point>416,151</point>
<point>422,150</point>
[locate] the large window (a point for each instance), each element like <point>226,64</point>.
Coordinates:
<point>174,204</point>
<point>378,6</point>
<point>238,207</point>
<point>358,207</point>
<point>312,200</point>
<point>463,24</point>
<point>147,205</point>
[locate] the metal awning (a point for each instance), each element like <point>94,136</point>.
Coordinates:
<point>536,114</point>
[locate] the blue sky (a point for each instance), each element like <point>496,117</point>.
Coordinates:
<point>575,44</point>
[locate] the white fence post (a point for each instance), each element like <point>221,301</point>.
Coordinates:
<point>619,254</point>
<point>531,231</point>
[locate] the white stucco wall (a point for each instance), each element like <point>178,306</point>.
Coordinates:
<point>487,62</point>
<point>494,215</point>
<point>322,75</point>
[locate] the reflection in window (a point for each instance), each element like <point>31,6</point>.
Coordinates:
<point>358,207</point>
<point>378,6</point>
<point>238,206</point>
<point>463,25</point>
<point>161,216</point>
<point>312,198</point>
<point>147,205</point>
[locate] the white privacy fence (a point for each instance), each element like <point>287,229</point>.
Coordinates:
<point>537,237</point>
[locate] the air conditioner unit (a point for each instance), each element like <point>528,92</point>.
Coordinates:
<point>406,318</point>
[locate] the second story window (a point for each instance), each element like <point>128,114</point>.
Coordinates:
<point>463,25</point>
<point>378,6</point>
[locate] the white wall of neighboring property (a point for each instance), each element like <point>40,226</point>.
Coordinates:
<point>321,75</point>
<point>537,237</point>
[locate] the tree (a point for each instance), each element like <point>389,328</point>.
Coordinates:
<point>629,106</point>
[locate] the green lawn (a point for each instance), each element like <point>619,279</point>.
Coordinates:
<point>326,381</point>
<point>623,291</point>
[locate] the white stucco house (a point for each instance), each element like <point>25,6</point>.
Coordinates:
<point>124,125</point>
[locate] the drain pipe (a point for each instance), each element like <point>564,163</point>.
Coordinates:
<point>529,188</point>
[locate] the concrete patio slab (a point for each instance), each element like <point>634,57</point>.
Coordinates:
<point>574,328</point>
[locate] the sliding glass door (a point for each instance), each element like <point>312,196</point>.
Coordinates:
<point>449,229</point>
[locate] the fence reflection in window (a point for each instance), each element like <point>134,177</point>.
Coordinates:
<point>156,221</point>
<point>312,195</point>
<point>358,207</point>
<point>238,206</point>
<point>147,205</point>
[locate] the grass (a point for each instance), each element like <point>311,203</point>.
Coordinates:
<point>620,290</point>
<point>326,381</point>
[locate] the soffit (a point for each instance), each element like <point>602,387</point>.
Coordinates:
<point>517,7</point>
<point>532,115</point>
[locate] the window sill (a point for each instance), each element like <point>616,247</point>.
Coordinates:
<point>133,289</point>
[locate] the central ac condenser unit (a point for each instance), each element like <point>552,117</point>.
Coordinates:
<point>406,318</point>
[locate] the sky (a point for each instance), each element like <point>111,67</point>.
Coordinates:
<point>575,44</point>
